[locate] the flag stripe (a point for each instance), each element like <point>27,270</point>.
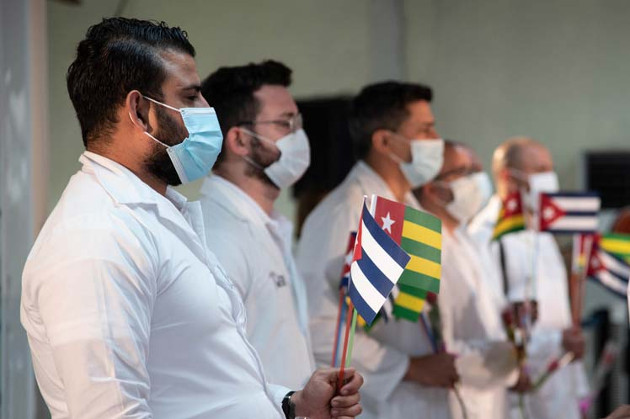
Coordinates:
<point>422,218</point>
<point>416,292</point>
<point>409,302</point>
<point>421,250</point>
<point>362,306</point>
<point>576,203</point>
<point>423,234</point>
<point>362,287</point>
<point>614,265</point>
<point>403,313</point>
<point>574,224</point>
<point>382,247</point>
<point>612,283</point>
<point>508,225</point>
<point>378,279</point>
<point>413,279</point>
<point>425,267</point>
<point>616,245</point>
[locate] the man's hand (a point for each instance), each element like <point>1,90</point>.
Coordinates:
<point>318,401</point>
<point>622,412</point>
<point>573,341</point>
<point>433,370</point>
<point>524,383</point>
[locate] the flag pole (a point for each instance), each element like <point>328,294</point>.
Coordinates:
<point>338,329</point>
<point>351,343</point>
<point>344,352</point>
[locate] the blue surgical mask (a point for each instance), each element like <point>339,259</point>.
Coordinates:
<point>194,157</point>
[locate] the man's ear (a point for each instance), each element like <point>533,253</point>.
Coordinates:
<point>137,108</point>
<point>381,139</point>
<point>237,141</point>
<point>505,177</point>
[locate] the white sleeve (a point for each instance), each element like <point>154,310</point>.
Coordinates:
<point>278,392</point>
<point>95,294</point>
<point>320,259</point>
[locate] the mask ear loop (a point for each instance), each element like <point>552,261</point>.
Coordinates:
<point>146,133</point>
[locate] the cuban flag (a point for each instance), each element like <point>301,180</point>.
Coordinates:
<point>569,212</point>
<point>611,272</point>
<point>377,265</point>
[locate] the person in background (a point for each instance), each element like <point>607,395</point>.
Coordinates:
<point>394,136</point>
<point>471,323</point>
<point>523,164</point>
<point>127,312</point>
<point>264,151</point>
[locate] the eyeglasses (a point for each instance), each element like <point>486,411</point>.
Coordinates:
<point>292,124</point>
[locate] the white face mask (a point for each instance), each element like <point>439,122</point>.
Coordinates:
<point>544,182</point>
<point>295,157</point>
<point>427,157</point>
<point>470,194</point>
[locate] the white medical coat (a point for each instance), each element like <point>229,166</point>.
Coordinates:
<point>472,330</point>
<point>255,250</point>
<point>129,315</point>
<point>560,395</point>
<point>382,356</point>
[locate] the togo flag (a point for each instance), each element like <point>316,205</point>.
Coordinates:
<point>510,218</point>
<point>611,272</point>
<point>377,266</point>
<point>420,235</point>
<point>569,212</point>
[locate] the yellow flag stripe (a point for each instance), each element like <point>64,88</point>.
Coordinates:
<point>410,302</point>
<point>422,234</point>
<point>616,246</point>
<point>508,224</point>
<point>424,266</point>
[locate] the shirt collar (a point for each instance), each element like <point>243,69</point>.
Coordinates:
<point>372,181</point>
<point>124,186</point>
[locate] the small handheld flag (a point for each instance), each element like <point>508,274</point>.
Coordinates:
<point>420,235</point>
<point>511,218</point>
<point>377,266</point>
<point>608,270</point>
<point>569,212</point>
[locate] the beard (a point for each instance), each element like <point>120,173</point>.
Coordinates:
<point>263,158</point>
<point>158,162</point>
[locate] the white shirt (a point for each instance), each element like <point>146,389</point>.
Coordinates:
<point>472,330</point>
<point>559,396</point>
<point>382,356</point>
<point>127,313</point>
<point>255,250</point>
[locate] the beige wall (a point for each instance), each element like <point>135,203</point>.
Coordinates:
<point>324,41</point>
<point>553,69</point>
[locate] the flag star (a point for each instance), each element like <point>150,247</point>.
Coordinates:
<point>549,213</point>
<point>387,223</point>
<point>511,205</point>
<point>349,258</point>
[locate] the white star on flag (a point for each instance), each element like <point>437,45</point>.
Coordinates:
<point>387,223</point>
<point>549,213</point>
<point>511,205</point>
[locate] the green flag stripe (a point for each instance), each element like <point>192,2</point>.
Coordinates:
<point>416,292</point>
<point>421,249</point>
<point>404,313</point>
<point>414,279</point>
<point>511,230</point>
<point>424,219</point>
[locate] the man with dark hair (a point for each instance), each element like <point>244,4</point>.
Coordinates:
<point>394,135</point>
<point>127,312</point>
<point>264,151</point>
<point>471,324</point>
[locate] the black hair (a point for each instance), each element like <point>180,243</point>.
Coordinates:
<point>382,106</point>
<point>117,56</point>
<point>230,91</point>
